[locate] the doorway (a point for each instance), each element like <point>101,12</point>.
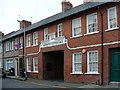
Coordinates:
<point>53,65</point>
<point>21,66</point>
<point>115,65</point>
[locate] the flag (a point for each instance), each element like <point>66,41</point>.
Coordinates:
<point>17,45</point>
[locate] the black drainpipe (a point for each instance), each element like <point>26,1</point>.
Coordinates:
<point>119,30</point>
<point>102,47</point>
<point>3,60</point>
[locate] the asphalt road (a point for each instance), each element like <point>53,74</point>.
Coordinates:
<point>12,84</point>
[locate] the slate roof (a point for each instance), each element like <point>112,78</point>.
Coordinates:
<point>56,17</point>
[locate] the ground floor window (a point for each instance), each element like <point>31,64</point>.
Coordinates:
<point>77,63</point>
<point>0,63</point>
<point>35,64</point>
<point>9,64</point>
<point>28,64</point>
<point>92,61</point>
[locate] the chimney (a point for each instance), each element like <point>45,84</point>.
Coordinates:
<point>24,23</point>
<point>66,5</point>
<point>1,34</point>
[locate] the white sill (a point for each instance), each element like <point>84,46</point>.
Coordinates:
<point>76,73</point>
<point>34,45</point>
<point>92,73</point>
<point>91,33</point>
<point>35,71</point>
<point>20,48</point>
<point>28,71</point>
<point>76,36</point>
<point>27,46</point>
<point>111,29</point>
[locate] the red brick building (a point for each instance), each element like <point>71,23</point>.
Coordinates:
<point>80,44</point>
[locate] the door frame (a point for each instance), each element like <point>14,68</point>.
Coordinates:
<point>16,66</point>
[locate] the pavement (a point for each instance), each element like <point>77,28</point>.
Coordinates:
<point>60,84</point>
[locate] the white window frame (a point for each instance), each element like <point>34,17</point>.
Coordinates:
<point>28,64</point>
<point>74,21</point>
<point>51,36</point>
<point>34,68</point>
<point>1,47</point>
<point>45,33</point>
<point>59,27</point>
<point>10,61</point>
<point>1,65</point>
<point>21,42</point>
<point>73,63</point>
<point>16,43</point>
<point>108,10</point>
<point>88,16</point>
<point>88,61</point>
<point>11,44</point>
<point>35,38</point>
<point>7,46</point>
<point>28,40</point>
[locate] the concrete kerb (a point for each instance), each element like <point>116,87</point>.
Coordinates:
<point>16,77</point>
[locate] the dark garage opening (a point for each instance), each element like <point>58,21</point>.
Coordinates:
<point>53,65</point>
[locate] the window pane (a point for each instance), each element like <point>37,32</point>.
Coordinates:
<point>77,67</point>
<point>76,26</point>
<point>35,64</point>
<point>35,38</point>
<point>28,64</point>
<point>46,34</point>
<point>28,40</point>
<point>59,30</point>
<point>9,64</point>
<point>93,61</point>
<point>77,62</point>
<point>92,23</point>
<point>112,18</point>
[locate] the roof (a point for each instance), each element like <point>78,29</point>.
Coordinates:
<point>56,17</point>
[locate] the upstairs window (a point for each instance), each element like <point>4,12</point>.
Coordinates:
<point>76,27</point>
<point>51,36</point>
<point>112,18</point>
<point>28,40</point>
<point>0,47</point>
<point>35,38</point>
<point>60,30</point>
<point>16,45</point>
<point>92,23</point>
<point>21,42</point>
<point>7,47</point>
<point>11,44</point>
<point>46,34</point>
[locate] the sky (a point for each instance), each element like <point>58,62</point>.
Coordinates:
<point>31,10</point>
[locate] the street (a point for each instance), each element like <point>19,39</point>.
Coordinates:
<point>12,84</point>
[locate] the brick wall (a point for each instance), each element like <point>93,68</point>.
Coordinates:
<point>84,40</point>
